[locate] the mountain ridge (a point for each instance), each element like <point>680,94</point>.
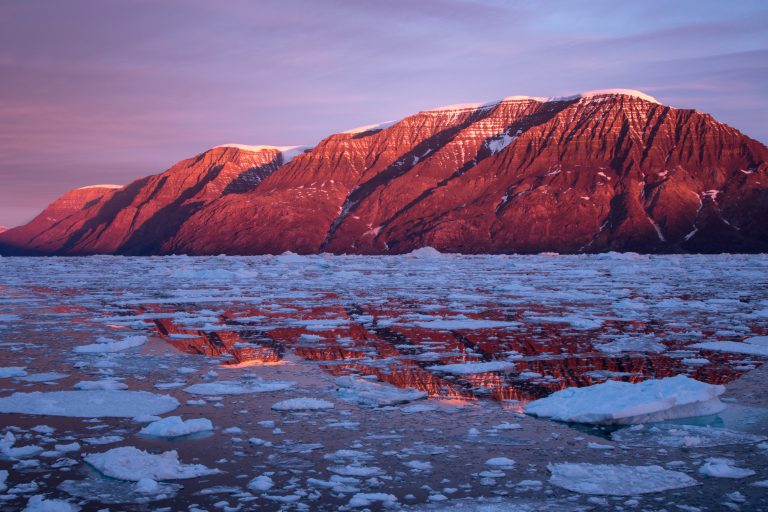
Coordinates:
<point>600,171</point>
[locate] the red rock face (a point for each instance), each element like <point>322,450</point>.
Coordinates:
<point>611,172</point>
<point>140,217</point>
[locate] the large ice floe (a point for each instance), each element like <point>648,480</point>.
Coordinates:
<point>130,463</point>
<point>174,426</point>
<point>756,346</point>
<point>623,403</point>
<point>374,394</point>
<point>303,404</point>
<point>230,387</point>
<point>473,368</point>
<point>106,345</point>
<point>682,436</point>
<point>89,404</point>
<point>616,479</point>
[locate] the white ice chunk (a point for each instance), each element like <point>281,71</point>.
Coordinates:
<point>130,463</point>
<point>38,503</point>
<point>231,387</point>
<point>682,436</point>
<point>756,346</point>
<point>104,384</point>
<point>366,499</point>
<point>616,480</point>
<point>303,404</point>
<point>7,372</point>
<point>374,394</point>
<point>473,368</point>
<point>88,404</point>
<point>174,426</point>
<point>261,483</point>
<point>723,468</point>
<point>105,345</point>
<point>614,402</point>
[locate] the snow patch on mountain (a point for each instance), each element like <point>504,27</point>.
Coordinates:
<point>288,152</point>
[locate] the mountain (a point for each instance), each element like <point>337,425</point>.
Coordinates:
<point>609,170</point>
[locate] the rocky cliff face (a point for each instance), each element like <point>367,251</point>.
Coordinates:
<point>611,170</point>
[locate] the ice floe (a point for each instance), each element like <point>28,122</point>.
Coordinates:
<point>756,346</point>
<point>7,372</point>
<point>614,402</point>
<point>174,426</point>
<point>104,384</point>
<point>616,479</point>
<point>374,394</point>
<point>230,387</point>
<point>720,467</point>
<point>473,368</point>
<point>682,436</point>
<point>38,503</point>
<point>88,404</point>
<point>303,404</point>
<point>133,464</point>
<point>106,345</point>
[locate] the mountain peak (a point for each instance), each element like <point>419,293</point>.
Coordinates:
<point>543,99</point>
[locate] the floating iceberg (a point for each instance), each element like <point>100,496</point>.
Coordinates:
<point>682,436</point>
<point>473,368</point>
<point>756,346</point>
<point>105,345</point>
<point>616,479</point>
<point>88,404</point>
<point>174,426</point>
<point>723,468</point>
<point>374,394</point>
<point>303,404</point>
<point>623,403</point>
<point>130,463</point>
<point>231,387</point>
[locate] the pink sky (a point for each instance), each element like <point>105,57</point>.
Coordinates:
<point>108,91</point>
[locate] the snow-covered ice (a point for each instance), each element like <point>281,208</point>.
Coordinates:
<point>174,426</point>
<point>228,387</point>
<point>616,479</point>
<point>88,404</point>
<point>303,404</point>
<point>374,394</point>
<point>472,368</point>
<point>106,345</point>
<point>720,467</point>
<point>756,345</point>
<point>614,402</point>
<point>131,463</point>
<point>682,436</point>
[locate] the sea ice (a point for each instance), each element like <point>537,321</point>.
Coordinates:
<point>130,463</point>
<point>174,426</point>
<point>38,503</point>
<point>756,346</point>
<point>303,404</point>
<point>106,345</point>
<point>682,436</point>
<point>362,499</point>
<point>104,384</point>
<point>614,402</point>
<point>374,394</point>
<point>616,479</point>
<point>3,479</point>
<point>231,387</point>
<point>261,483</point>
<point>88,404</point>
<point>473,368</point>
<point>723,468</point>
<point>7,372</point>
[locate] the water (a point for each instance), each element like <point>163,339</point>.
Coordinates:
<point>559,321</point>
